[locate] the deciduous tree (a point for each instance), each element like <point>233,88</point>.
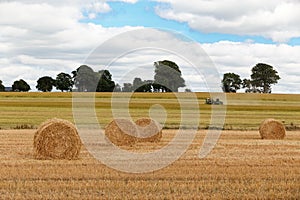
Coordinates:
<point>167,76</point>
<point>20,86</point>
<point>64,82</point>
<point>45,84</point>
<point>85,79</point>
<point>231,82</point>
<point>2,88</point>
<point>105,83</point>
<point>263,76</point>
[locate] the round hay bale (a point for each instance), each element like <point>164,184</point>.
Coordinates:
<point>56,139</point>
<point>149,130</point>
<point>272,129</point>
<point>121,132</point>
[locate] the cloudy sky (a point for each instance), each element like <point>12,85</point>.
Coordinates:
<point>39,37</point>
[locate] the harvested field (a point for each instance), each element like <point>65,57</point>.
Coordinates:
<point>240,166</point>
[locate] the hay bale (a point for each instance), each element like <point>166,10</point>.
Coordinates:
<point>272,129</point>
<point>56,139</point>
<point>149,130</point>
<point>121,132</point>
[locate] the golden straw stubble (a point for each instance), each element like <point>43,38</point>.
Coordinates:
<point>149,130</point>
<point>57,139</point>
<point>121,132</point>
<point>272,129</point>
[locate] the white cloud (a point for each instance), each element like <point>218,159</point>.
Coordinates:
<point>97,7</point>
<point>100,7</point>
<point>276,19</point>
<point>126,1</point>
<point>47,37</point>
<point>237,57</point>
<point>241,57</point>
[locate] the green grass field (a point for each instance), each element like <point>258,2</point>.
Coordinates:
<point>243,111</point>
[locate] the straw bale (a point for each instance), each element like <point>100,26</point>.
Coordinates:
<point>121,132</point>
<point>57,139</point>
<point>272,129</point>
<point>149,130</point>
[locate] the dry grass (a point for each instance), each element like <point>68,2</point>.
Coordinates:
<point>241,166</point>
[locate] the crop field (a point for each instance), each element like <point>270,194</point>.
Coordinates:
<point>243,111</point>
<point>241,165</point>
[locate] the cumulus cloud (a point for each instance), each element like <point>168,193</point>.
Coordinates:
<point>277,19</point>
<point>126,1</point>
<point>240,57</point>
<point>48,37</point>
<point>133,54</point>
<point>227,56</point>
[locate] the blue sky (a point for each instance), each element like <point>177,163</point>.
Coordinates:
<point>42,37</point>
<point>143,14</point>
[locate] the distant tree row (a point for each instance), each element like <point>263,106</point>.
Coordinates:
<point>262,77</point>
<point>20,86</point>
<point>167,79</point>
<point>63,82</point>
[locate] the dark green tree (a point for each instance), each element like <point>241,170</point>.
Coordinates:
<point>85,79</point>
<point>20,86</point>
<point>105,84</point>
<point>2,88</point>
<point>156,87</point>
<point>64,82</point>
<point>231,82</point>
<point>142,86</point>
<point>167,76</point>
<point>45,84</point>
<point>249,88</point>
<point>247,85</point>
<point>263,76</point>
<point>137,85</point>
<point>147,85</point>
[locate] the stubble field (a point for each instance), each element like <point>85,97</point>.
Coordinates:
<point>241,166</point>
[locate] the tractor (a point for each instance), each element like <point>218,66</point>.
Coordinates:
<point>213,102</point>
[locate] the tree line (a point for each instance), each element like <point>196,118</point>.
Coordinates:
<point>167,78</point>
<point>262,78</point>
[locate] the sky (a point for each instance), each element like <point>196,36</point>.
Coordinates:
<point>43,38</point>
